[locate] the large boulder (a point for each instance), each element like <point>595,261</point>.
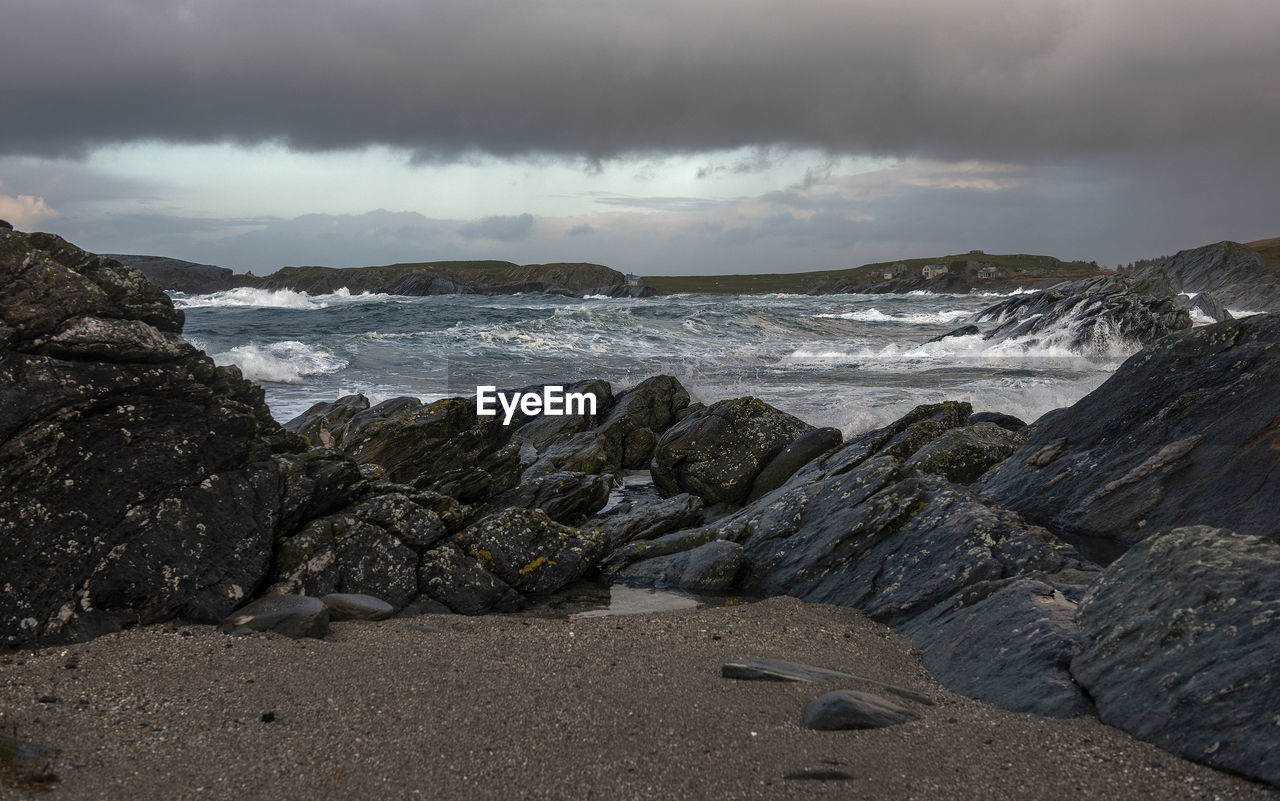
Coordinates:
<point>962,455</point>
<point>565,497</point>
<point>1180,645</point>
<point>138,482</point>
<point>1237,275</point>
<point>717,453</point>
<point>325,423</point>
<point>1184,433</point>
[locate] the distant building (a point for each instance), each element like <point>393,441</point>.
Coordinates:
<point>988,272</point>
<point>634,280</point>
<point>894,271</point>
<point>933,270</point>
<point>977,253</point>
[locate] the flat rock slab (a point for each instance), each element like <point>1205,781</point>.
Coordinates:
<point>765,669</point>
<point>850,709</point>
<point>355,606</point>
<point>291,615</point>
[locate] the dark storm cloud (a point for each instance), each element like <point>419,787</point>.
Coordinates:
<point>597,78</point>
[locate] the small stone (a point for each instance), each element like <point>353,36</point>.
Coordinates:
<point>354,606</point>
<point>850,709</point>
<point>291,615</point>
<point>268,717</point>
<point>48,699</point>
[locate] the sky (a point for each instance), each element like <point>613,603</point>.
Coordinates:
<point>654,136</point>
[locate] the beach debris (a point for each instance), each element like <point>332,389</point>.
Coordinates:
<point>765,669</point>
<point>850,709</point>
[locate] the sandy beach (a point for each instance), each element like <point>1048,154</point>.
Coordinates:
<point>506,707</point>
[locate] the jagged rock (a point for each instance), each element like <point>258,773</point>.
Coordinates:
<point>639,416</point>
<point>962,455</point>
<point>1008,642</point>
<point>962,331</point>
<point>796,455</point>
<point>354,606</point>
<point>542,429</point>
<point>851,709</point>
<point>708,569</point>
<point>1207,304</point>
<point>1092,316</point>
<point>1235,274</point>
<point>1183,433</point>
<point>179,275</point>
<point>1179,644</point>
<point>646,521</point>
<point>716,454</point>
<point>443,446</point>
<point>325,423</point>
<point>291,615</point>
<point>138,482</point>
<point>528,551</point>
<point>565,497</point>
<point>457,580</point>
<point>1006,421</point>
<point>343,553</point>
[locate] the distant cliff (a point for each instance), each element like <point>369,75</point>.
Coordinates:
<point>423,278</point>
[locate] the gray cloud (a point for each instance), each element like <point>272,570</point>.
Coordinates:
<point>499,229</point>
<point>597,78</point>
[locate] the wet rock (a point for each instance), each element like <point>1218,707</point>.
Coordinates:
<point>708,569</point>
<point>1091,316</point>
<point>716,454</point>
<point>1183,433</point>
<point>962,331</point>
<point>565,497</point>
<point>1008,642</point>
<point>1178,646</point>
<point>1006,421</point>
<point>646,520</point>
<point>639,416</point>
<point>850,709</point>
<point>291,615</point>
<point>325,423</point>
<point>962,455</point>
<point>1235,274</point>
<point>797,454</point>
<point>1207,304</point>
<point>353,606</point>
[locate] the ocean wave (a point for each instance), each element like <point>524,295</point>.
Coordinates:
<point>917,318</point>
<point>286,362</point>
<point>272,299</point>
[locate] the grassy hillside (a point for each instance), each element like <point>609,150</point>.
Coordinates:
<point>1011,266</point>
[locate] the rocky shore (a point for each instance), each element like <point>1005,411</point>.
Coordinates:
<point>1115,560</point>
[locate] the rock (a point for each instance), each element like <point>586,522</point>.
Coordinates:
<point>1092,316</point>
<point>708,569</point>
<point>541,429</point>
<point>456,580</point>
<point>757,669</point>
<point>528,551</point>
<point>25,765</point>
<point>353,606</point>
<point>1007,641</point>
<point>424,605</point>
<point>325,424</point>
<point>850,709</point>
<point>1207,304</point>
<point>565,497</point>
<point>1178,646</point>
<point>291,615</point>
<point>1235,274</point>
<point>962,455</point>
<point>443,446</point>
<point>1183,433</point>
<point>639,416</point>
<point>1006,421</point>
<point>962,331</point>
<point>716,454</point>
<point>797,454</point>
<point>179,275</point>
<point>650,520</point>
<point>138,482</point>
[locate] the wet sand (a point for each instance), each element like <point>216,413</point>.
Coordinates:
<point>509,707</point>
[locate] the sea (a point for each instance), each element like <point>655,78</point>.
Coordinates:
<point>853,362</point>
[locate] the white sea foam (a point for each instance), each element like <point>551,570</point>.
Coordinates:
<point>1200,318</point>
<point>874,315</point>
<point>287,362</point>
<point>1238,313</point>
<point>272,299</point>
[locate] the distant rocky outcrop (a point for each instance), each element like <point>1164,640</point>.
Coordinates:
<point>1237,276</point>
<point>181,276</point>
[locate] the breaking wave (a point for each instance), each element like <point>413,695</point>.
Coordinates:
<point>917,318</point>
<point>271,299</point>
<point>287,362</point>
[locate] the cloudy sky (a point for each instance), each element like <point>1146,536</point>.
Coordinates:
<point>659,136</point>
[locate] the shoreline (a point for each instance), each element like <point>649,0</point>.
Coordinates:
<point>512,706</point>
